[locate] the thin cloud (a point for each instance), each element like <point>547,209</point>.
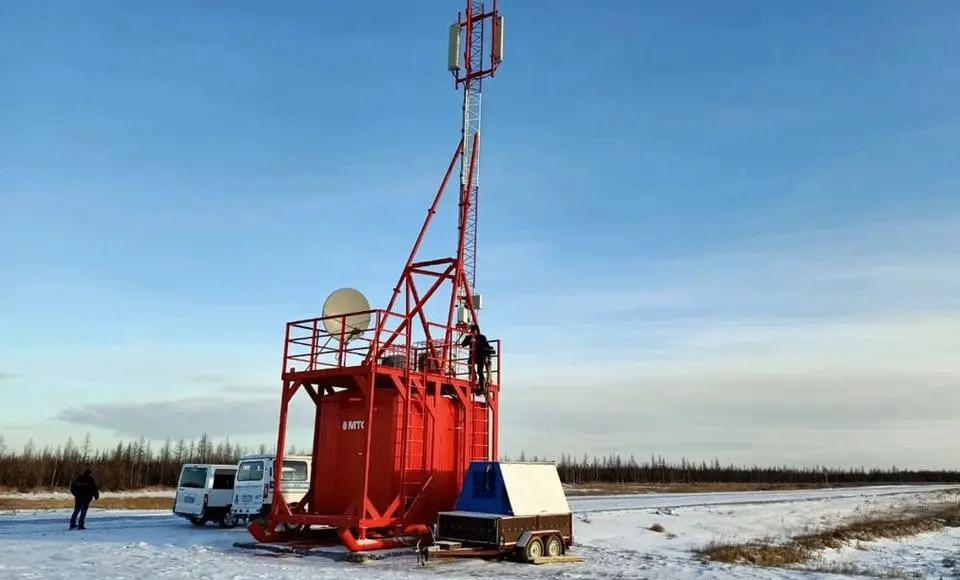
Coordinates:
<point>878,269</point>
<point>234,384</point>
<point>840,341</point>
<point>189,417</point>
<point>860,420</point>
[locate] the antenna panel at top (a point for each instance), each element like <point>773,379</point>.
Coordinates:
<point>353,304</point>
<point>497,51</point>
<point>453,48</point>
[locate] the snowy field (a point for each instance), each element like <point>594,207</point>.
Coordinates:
<point>46,495</point>
<point>610,532</point>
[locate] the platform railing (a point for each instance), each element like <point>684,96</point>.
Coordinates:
<point>310,347</point>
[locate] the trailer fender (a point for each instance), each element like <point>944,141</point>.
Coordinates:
<point>525,537</point>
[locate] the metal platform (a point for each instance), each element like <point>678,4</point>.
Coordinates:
<point>450,551</point>
<point>564,559</point>
<point>337,553</point>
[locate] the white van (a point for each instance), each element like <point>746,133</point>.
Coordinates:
<point>205,493</point>
<point>253,489</point>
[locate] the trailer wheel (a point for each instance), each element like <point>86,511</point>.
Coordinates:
<point>533,549</point>
<point>554,546</point>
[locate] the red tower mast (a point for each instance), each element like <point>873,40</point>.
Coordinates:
<point>399,414</point>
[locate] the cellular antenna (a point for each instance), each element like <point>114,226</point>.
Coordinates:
<point>475,29</point>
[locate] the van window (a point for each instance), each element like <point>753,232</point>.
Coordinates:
<point>223,479</point>
<point>294,470</point>
<point>193,477</point>
<point>250,471</point>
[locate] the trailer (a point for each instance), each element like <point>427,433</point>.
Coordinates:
<point>506,510</point>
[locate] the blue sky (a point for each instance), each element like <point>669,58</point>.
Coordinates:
<point>705,230</point>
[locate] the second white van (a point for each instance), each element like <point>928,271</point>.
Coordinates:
<point>253,487</point>
<point>204,494</point>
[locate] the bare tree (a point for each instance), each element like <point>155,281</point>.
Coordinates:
<point>180,451</point>
<point>85,448</point>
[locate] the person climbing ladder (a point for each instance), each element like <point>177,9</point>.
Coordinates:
<point>480,354</point>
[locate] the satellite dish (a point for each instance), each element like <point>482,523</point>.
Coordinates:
<point>354,304</point>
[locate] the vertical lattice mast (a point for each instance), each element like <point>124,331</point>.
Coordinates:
<point>472,94</point>
<point>467,41</point>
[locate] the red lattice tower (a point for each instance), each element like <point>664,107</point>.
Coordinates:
<point>399,414</point>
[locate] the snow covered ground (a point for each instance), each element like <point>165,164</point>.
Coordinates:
<point>33,495</point>
<point>930,555</point>
<point>611,532</point>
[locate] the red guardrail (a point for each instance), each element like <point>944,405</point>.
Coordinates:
<point>310,346</point>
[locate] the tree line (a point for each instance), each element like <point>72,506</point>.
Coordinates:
<point>129,465</point>
<point>139,464</point>
<point>657,470</point>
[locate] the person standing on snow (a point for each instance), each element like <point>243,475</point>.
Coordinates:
<point>84,489</point>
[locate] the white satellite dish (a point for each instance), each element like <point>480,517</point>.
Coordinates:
<point>354,304</point>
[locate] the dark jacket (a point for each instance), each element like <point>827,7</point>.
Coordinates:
<point>478,345</point>
<point>84,487</point>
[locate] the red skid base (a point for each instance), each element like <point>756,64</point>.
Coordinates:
<point>331,536</point>
<point>324,543</point>
<point>263,534</point>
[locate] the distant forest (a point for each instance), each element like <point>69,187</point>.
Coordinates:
<point>138,464</point>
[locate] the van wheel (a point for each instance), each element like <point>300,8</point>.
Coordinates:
<point>228,520</point>
<point>198,521</point>
<point>284,526</point>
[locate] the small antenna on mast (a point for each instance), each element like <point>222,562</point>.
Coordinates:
<point>469,64</point>
<point>453,50</point>
<point>497,51</point>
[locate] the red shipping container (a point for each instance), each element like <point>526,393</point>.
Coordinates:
<point>343,426</point>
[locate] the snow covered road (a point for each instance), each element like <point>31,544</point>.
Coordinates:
<point>610,531</point>
<point>677,500</point>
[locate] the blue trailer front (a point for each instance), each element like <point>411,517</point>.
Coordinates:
<point>506,509</point>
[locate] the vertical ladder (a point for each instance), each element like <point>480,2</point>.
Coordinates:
<point>480,431</point>
<point>414,477</point>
